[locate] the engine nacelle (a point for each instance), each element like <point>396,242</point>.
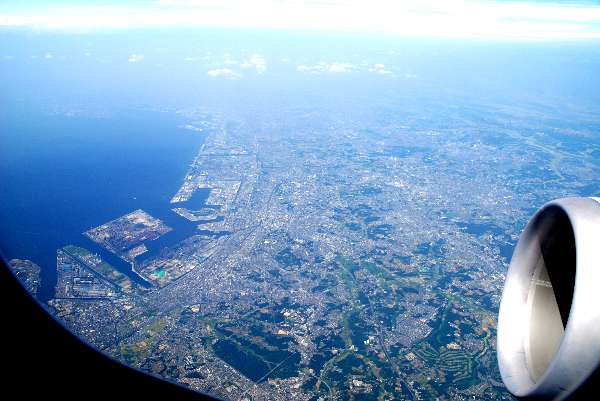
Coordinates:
<point>549,321</point>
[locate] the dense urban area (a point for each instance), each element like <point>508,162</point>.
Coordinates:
<point>332,257</point>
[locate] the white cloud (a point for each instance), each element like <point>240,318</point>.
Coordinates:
<point>255,61</point>
<point>313,69</point>
<point>380,69</point>
<point>340,67</point>
<point>323,66</point>
<point>48,56</point>
<point>223,72</point>
<point>135,58</point>
<point>423,18</point>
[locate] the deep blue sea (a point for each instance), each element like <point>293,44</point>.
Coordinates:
<point>62,175</point>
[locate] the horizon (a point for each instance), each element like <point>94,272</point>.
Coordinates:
<point>458,19</point>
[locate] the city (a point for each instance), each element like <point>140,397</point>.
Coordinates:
<point>330,261</point>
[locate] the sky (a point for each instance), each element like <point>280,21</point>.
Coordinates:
<point>528,20</point>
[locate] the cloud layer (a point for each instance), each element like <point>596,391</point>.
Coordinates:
<point>423,18</point>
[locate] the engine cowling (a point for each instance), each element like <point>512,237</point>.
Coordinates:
<point>549,321</point>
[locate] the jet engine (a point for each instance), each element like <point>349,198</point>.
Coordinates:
<point>549,321</point>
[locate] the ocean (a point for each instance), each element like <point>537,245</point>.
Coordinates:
<point>62,175</point>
